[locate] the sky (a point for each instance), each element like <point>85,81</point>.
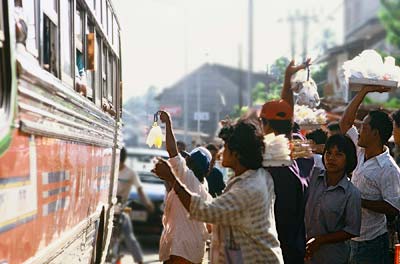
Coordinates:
<point>162,40</point>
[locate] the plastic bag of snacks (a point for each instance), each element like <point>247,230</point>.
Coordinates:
<point>305,89</point>
<point>277,151</point>
<point>303,115</point>
<point>368,68</point>
<point>301,149</point>
<point>155,135</point>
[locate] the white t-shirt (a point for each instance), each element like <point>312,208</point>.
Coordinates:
<point>126,179</point>
<point>377,179</point>
<point>182,236</point>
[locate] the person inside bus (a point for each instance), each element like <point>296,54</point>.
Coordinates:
<point>183,240</point>
<point>126,179</point>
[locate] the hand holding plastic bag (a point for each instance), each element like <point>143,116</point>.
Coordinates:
<point>155,135</point>
<point>305,89</point>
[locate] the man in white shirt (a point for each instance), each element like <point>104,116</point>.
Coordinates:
<point>183,240</point>
<point>376,176</point>
<point>126,179</point>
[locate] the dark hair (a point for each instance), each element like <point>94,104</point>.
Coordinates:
<point>319,136</point>
<point>333,126</point>
<point>280,127</point>
<point>212,147</point>
<point>296,127</point>
<point>246,141</point>
<point>196,169</point>
<point>122,155</point>
<point>181,144</point>
<point>396,118</point>
<point>344,145</point>
<point>383,123</point>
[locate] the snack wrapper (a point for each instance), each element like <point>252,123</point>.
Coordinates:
<point>155,136</point>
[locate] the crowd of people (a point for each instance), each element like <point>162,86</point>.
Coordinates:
<point>334,207</point>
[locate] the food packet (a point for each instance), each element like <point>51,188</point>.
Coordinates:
<point>155,135</point>
<point>305,89</point>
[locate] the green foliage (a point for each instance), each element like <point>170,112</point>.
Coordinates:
<point>393,103</point>
<point>319,75</point>
<point>278,69</point>
<point>238,112</point>
<point>389,16</point>
<point>261,93</point>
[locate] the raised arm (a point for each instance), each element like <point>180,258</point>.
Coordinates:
<point>349,114</point>
<point>287,93</point>
<point>170,141</point>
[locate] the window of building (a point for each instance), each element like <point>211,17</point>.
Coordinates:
<point>66,41</point>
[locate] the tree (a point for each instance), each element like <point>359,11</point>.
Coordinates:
<point>389,16</point>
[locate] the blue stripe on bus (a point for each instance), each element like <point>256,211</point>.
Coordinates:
<point>17,223</point>
<point>6,181</point>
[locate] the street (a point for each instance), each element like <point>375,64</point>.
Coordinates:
<point>150,251</point>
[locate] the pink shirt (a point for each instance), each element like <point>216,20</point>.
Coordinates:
<point>182,236</point>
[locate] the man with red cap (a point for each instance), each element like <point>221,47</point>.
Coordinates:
<point>290,185</point>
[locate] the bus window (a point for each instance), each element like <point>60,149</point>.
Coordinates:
<point>30,13</point>
<point>110,78</point>
<point>104,14</point>
<point>109,22</point>
<point>89,49</point>
<point>104,72</point>
<point>90,4</point>
<point>97,6</point>
<point>98,71</point>
<point>66,40</point>
<point>50,37</point>
<point>115,82</point>
<point>115,29</point>
<point>80,46</point>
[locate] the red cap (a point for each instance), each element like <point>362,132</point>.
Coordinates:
<point>277,110</point>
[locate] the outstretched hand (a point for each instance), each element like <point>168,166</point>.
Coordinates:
<point>163,170</point>
<point>292,68</point>
<point>164,116</point>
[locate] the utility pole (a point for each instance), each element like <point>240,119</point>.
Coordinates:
<point>240,77</point>
<point>305,20</point>
<point>185,84</point>
<point>250,55</point>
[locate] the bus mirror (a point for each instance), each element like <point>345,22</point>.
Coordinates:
<point>90,51</point>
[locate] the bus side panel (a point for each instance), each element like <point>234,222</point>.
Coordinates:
<point>48,187</point>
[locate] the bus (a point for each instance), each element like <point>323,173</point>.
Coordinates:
<point>60,129</point>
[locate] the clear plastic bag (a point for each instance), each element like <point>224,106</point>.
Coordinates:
<point>305,89</point>
<point>155,135</point>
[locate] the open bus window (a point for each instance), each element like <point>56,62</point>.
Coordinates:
<point>50,37</point>
<point>66,41</point>
<point>30,13</point>
<point>98,71</point>
<point>5,69</point>
<point>110,78</point>
<point>50,46</point>
<point>80,73</point>
<point>90,59</point>
<point>104,72</point>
